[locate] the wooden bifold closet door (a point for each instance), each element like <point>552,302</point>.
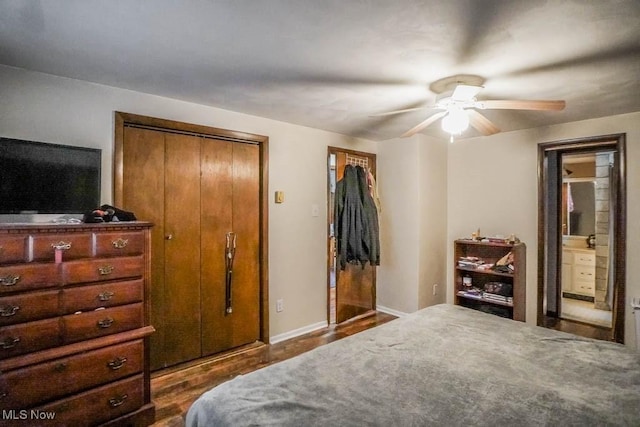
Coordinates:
<point>196,190</point>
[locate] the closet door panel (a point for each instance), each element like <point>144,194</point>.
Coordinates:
<point>245,322</point>
<point>143,194</point>
<point>217,199</point>
<point>182,248</point>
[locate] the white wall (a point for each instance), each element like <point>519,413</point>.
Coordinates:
<point>433,221</point>
<point>412,182</point>
<point>399,186</point>
<point>45,108</point>
<point>492,184</point>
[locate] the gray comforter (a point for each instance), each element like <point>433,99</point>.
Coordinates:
<point>441,366</point>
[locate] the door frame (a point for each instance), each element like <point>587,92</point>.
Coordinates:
<point>371,158</point>
<point>613,141</point>
<point>122,119</point>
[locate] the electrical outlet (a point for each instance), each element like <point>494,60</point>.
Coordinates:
<point>435,289</point>
<point>279,305</point>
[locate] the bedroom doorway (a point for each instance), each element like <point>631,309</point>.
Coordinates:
<point>350,292</point>
<point>581,238</point>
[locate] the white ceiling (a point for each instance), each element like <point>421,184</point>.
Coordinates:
<point>331,64</point>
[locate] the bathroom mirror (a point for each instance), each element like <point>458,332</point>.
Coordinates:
<point>578,195</point>
<point>579,207</point>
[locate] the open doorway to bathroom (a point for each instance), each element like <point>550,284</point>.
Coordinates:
<point>587,207</point>
<point>581,236</point>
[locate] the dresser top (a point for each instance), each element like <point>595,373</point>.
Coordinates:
<point>57,227</point>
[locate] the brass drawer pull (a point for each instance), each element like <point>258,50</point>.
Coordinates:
<point>105,323</point>
<point>9,342</point>
<point>9,310</point>
<point>117,401</point>
<point>120,243</point>
<point>60,367</point>
<point>61,246</point>
<point>117,363</point>
<point>104,270</point>
<point>105,296</point>
<point>9,280</point>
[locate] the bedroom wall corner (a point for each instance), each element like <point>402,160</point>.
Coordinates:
<point>432,193</point>
<point>398,186</point>
<point>413,223</point>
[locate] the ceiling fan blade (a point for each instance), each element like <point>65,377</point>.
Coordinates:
<point>481,123</point>
<point>406,110</point>
<point>465,92</point>
<point>423,124</point>
<point>514,104</point>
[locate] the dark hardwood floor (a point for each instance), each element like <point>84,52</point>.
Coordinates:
<point>174,390</point>
<point>578,328</point>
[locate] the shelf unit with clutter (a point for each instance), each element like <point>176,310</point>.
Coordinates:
<point>490,276</point>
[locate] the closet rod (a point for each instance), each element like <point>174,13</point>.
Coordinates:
<point>183,132</point>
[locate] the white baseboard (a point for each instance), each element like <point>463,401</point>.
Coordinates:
<point>297,332</point>
<point>391,311</point>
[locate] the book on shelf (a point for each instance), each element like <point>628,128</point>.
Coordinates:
<point>470,262</point>
<point>496,297</point>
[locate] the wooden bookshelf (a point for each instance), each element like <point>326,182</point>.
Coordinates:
<point>476,261</point>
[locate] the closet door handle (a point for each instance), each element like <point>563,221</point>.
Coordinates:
<point>168,237</point>
<point>229,255</point>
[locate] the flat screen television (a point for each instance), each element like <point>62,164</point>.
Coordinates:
<point>42,178</point>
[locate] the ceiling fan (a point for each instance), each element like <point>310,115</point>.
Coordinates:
<point>456,97</point>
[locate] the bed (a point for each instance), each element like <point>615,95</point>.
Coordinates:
<point>443,365</point>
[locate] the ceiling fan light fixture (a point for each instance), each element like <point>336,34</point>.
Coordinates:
<point>456,121</point>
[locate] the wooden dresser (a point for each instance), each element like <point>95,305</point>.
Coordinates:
<point>74,324</point>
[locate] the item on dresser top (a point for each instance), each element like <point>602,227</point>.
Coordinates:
<point>108,213</point>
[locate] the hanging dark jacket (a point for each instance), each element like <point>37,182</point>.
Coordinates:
<point>356,220</point>
<point>371,236</point>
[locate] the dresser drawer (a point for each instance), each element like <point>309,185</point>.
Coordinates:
<point>583,258</point>
<point>13,249</point>
<point>23,388</point>
<point>29,337</point>
<point>80,245</point>
<point>104,295</point>
<point>583,273</point>
<point>30,306</point>
<point>24,277</point>
<point>98,405</point>
<point>102,269</point>
<point>119,244</point>
<point>584,288</point>
<point>97,323</point>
